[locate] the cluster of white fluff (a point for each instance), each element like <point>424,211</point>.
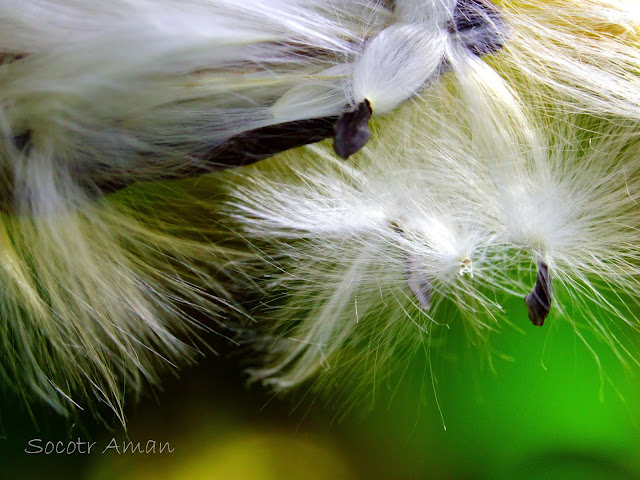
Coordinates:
<point>454,210</point>
<point>516,151</point>
<point>513,167</point>
<point>95,96</point>
<point>138,88</point>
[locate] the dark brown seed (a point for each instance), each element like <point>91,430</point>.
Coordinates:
<point>479,25</point>
<point>244,149</point>
<point>539,300</point>
<point>416,280</point>
<point>352,130</point>
<point>418,284</point>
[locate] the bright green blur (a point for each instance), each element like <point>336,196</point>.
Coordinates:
<point>548,413</point>
<point>541,409</point>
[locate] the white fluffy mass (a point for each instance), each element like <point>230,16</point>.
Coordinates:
<point>509,143</point>
<point>517,174</point>
<point>361,260</point>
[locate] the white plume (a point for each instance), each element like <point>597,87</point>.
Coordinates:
<point>517,150</point>
<point>460,199</point>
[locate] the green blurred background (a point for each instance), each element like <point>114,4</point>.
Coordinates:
<point>542,409</point>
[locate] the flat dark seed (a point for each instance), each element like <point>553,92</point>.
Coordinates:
<point>417,282</point>
<point>352,130</point>
<point>262,143</point>
<point>419,286</point>
<point>390,4</point>
<point>245,149</point>
<point>479,25</point>
<point>22,141</point>
<point>539,300</point>
<point>8,57</point>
